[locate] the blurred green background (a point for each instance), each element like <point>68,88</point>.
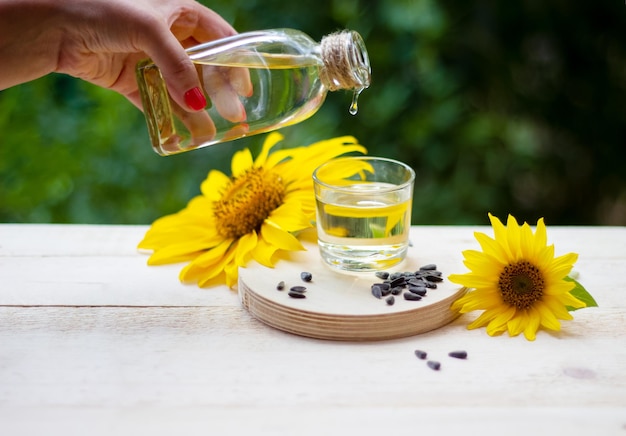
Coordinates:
<point>500,106</point>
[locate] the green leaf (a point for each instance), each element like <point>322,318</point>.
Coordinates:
<point>581,293</point>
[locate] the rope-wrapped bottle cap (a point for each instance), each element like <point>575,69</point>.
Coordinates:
<point>346,63</point>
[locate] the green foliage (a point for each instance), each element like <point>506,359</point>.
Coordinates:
<point>502,107</point>
<point>582,294</point>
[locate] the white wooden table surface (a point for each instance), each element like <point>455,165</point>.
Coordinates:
<point>94,342</point>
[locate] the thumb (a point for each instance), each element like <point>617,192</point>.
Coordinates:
<point>179,73</point>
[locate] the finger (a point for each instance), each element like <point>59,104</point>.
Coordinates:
<point>222,94</point>
<point>166,50</point>
<point>240,81</point>
<point>202,24</point>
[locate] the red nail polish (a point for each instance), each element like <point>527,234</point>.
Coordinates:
<point>195,99</point>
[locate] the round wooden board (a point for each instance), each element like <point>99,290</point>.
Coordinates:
<point>340,306</point>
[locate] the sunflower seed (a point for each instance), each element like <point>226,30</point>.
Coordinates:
<point>306,276</point>
<point>398,281</point>
<point>458,354</point>
<point>383,285</point>
<point>281,285</point>
<point>433,364</point>
<point>377,291</point>
<point>397,290</point>
<point>411,296</point>
<point>429,267</point>
<point>421,354</point>
<point>294,294</point>
<point>298,289</point>
<point>419,290</point>
<point>390,300</point>
<point>433,278</point>
<point>383,275</point>
<point>416,282</point>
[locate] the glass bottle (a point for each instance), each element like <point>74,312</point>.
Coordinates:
<point>254,82</point>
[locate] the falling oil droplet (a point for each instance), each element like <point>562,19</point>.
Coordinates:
<point>354,107</point>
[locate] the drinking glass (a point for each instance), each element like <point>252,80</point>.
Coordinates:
<point>363,212</point>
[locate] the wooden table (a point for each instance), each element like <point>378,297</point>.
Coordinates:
<point>94,342</point>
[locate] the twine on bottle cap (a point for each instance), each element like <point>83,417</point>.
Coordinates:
<point>337,50</point>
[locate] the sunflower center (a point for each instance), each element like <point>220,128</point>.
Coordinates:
<point>521,284</point>
<point>247,202</point>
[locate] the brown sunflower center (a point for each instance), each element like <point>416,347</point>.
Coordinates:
<point>247,202</point>
<point>521,284</point>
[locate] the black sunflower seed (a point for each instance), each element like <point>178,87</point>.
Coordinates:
<point>398,281</point>
<point>433,278</point>
<point>395,275</point>
<point>377,291</point>
<point>429,267</point>
<point>458,354</point>
<point>411,296</point>
<point>433,364</point>
<point>294,294</point>
<point>299,289</point>
<point>281,285</point>
<point>383,285</point>
<point>383,275</point>
<point>306,276</point>
<point>397,290</point>
<point>390,300</point>
<point>419,290</point>
<point>421,354</point>
<point>416,282</point>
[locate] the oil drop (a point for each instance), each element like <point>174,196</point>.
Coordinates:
<point>354,107</point>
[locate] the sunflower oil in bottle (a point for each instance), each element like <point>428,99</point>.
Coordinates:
<point>254,83</point>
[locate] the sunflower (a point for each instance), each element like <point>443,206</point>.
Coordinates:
<point>254,214</point>
<point>517,281</point>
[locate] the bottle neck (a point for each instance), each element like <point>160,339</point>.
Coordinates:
<point>345,62</point>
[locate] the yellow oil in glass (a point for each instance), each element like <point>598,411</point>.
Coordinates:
<point>371,227</point>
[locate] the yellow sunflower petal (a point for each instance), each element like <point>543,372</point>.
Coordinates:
<point>493,247</point>
<point>557,307</point>
<point>527,244</point>
<point>210,257</point>
<point>244,249</point>
<point>264,253</point>
<point>499,322</point>
<point>290,218</point>
<point>280,238</point>
<point>270,141</point>
<point>517,324</point>
<point>532,325</point>
<point>540,236</point>
<point>482,320</point>
<point>471,280</point>
<point>174,252</point>
<point>213,185</point>
<point>548,320</point>
<point>513,238</point>
<point>562,265</point>
<point>242,161</point>
<point>220,268</point>
<point>231,270</point>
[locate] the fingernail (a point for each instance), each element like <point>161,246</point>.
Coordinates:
<point>195,99</point>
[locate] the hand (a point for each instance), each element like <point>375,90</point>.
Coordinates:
<point>101,41</point>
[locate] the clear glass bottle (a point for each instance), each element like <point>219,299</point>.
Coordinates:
<point>254,82</point>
